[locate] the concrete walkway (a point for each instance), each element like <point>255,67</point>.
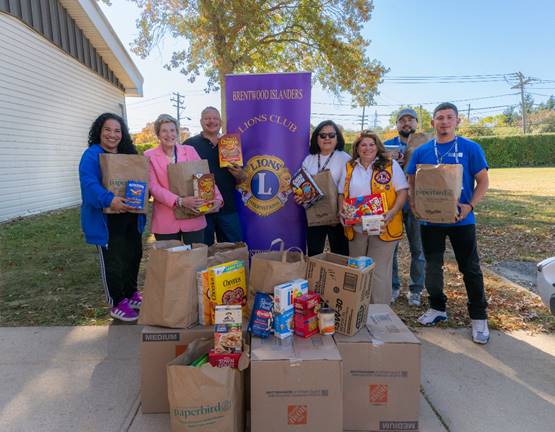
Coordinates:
<point>87,379</point>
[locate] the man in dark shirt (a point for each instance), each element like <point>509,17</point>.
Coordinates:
<point>225,223</point>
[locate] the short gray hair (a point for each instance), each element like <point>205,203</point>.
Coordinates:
<point>165,118</point>
<point>209,108</point>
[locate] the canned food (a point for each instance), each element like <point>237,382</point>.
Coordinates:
<point>326,321</point>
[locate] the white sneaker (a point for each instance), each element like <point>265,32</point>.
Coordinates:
<point>432,317</point>
<point>414,299</point>
<point>480,331</point>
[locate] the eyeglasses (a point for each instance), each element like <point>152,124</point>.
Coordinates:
<point>330,135</point>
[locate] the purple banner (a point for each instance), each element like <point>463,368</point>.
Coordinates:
<point>271,112</point>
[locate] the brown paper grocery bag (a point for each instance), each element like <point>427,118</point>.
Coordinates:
<point>170,297</point>
<point>220,253</point>
<point>324,211</point>
<point>416,140</point>
<point>272,268</point>
<point>180,178</point>
<point>118,169</point>
<point>206,398</point>
<point>437,191</point>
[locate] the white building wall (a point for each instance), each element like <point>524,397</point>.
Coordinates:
<point>47,103</point>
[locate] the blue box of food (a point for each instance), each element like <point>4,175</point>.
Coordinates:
<point>283,324</point>
<point>135,194</point>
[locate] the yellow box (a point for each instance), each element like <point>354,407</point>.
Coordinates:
<point>228,283</point>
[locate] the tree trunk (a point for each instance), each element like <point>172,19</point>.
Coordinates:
<point>223,112</point>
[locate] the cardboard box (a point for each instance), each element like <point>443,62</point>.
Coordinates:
<point>296,385</point>
<point>343,288</point>
<point>381,375</point>
<point>159,346</point>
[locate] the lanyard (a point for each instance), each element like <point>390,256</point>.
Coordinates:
<point>439,158</point>
<point>326,163</point>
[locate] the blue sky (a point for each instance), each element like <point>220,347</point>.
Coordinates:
<point>418,39</point>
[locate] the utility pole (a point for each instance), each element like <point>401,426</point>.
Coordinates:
<point>178,100</point>
<point>375,119</point>
<point>468,115</point>
<point>521,83</point>
<point>420,125</point>
<point>362,118</point>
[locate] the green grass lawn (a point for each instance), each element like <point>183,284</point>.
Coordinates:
<point>50,276</point>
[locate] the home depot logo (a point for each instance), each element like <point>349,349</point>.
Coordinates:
<point>378,394</point>
<point>297,414</point>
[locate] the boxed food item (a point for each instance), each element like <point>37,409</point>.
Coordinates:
<point>286,293</point>
<point>372,224</point>
<point>229,150</point>
<point>283,324</point>
<point>306,326</point>
<point>224,359</point>
<point>205,305</point>
<point>204,187</point>
<point>355,208</point>
<point>260,323</point>
<point>228,337</point>
<point>345,289</point>
<point>305,187</point>
<point>158,347</point>
<point>381,374</point>
<point>360,262</point>
<point>307,305</point>
<point>228,283</point>
<point>135,194</point>
<point>437,189</point>
<point>296,385</point>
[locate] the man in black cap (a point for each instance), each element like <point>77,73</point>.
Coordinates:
<point>407,121</point>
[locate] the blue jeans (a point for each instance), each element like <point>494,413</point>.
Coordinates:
<point>417,260</point>
<point>226,226</point>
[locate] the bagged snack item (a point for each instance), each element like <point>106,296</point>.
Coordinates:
<point>360,262</point>
<point>135,194</point>
<point>260,323</point>
<point>355,208</point>
<point>228,336</point>
<point>325,210</point>
<point>120,169</point>
<point>437,189</point>
<point>230,360</point>
<point>229,150</point>
<point>305,187</point>
<point>204,187</point>
<point>283,324</point>
<point>372,224</point>
<point>205,305</point>
<point>228,283</point>
<point>180,178</point>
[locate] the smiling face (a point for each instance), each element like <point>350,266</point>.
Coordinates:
<point>327,139</point>
<point>367,149</point>
<point>168,134</point>
<point>110,135</point>
<point>445,122</point>
<point>406,125</point>
<point>211,122</point>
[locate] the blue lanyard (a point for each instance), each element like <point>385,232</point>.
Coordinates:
<point>455,146</point>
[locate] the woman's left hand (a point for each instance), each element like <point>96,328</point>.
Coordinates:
<point>387,217</point>
<point>216,205</point>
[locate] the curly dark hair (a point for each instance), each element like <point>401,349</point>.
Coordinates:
<point>314,148</point>
<point>125,146</point>
<point>381,158</point>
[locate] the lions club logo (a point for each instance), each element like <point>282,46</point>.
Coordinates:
<point>267,187</point>
<point>382,177</point>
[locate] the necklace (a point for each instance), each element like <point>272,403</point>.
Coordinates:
<point>326,163</point>
<point>454,146</point>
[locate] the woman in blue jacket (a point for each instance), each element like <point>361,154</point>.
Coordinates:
<point>118,236</point>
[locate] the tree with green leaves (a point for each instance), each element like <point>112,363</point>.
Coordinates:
<point>255,36</point>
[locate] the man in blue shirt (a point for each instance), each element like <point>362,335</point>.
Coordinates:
<point>406,125</point>
<point>447,148</point>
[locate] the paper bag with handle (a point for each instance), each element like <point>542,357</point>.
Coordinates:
<point>324,211</point>
<point>180,178</point>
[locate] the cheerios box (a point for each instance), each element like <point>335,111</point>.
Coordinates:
<point>228,284</point>
<point>381,374</point>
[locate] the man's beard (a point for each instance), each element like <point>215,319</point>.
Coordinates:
<point>406,134</point>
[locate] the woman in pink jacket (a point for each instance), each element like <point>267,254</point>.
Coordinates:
<point>164,224</point>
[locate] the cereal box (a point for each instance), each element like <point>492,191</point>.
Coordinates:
<point>283,324</point>
<point>204,187</point>
<point>224,359</point>
<point>228,337</point>
<point>229,150</point>
<point>355,208</point>
<point>304,186</point>
<point>228,283</point>
<point>286,293</point>
<point>205,305</point>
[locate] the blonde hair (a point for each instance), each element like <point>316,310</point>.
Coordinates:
<point>164,118</point>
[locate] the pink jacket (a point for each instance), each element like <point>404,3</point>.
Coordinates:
<point>163,219</point>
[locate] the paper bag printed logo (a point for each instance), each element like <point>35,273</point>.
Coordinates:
<point>266,187</point>
<point>297,414</point>
<point>378,394</point>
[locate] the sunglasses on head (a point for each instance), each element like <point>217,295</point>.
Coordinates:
<point>330,135</point>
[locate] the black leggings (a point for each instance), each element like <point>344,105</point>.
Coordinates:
<point>316,239</point>
<point>185,237</point>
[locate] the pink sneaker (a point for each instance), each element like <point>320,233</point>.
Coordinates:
<point>136,300</point>
<point>123,312</point>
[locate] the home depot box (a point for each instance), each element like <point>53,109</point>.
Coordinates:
<point>296,385</point>
<point>159,346</point>
<point>381,374</point>
<point>344,288</point>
